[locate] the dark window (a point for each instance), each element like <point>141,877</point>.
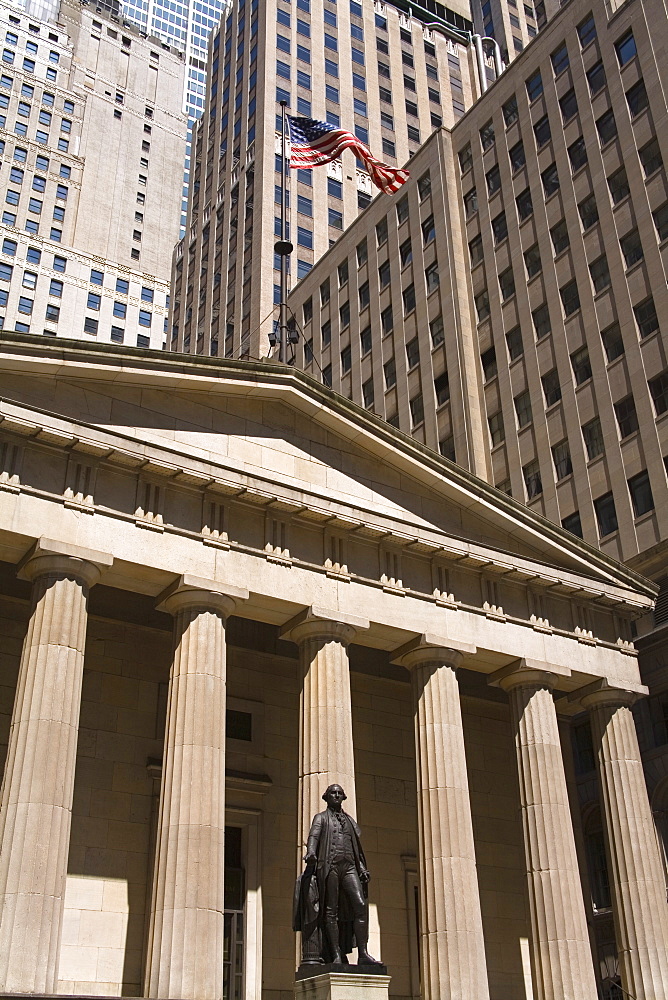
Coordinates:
<point>593,438</point>
<point>424,186</point>
<point>381,232</point>
<point>432,277</point>
<point>646,317</point>
<point>606,515</point>
<point>659,389</point>
<point>238,725</point>
<point>587,30</point>
<point>496,429</point>
<point>560,60</point>
<point>541,321</point>
<point>384,274</point>
<point>523,409</point>
<point>487,135</point>
<point>465,159</point>
<point>390,373</point>
<point>660,217</point>
<point>573,524</point>
<point>499,228</point>
<point>561,456</point>
<point>514,342</point>
<point>412,353</point>
<point>510,111</point>
<point>408,296</point>
<point>524,204</point>
<point>442,389</point>
<point>507,284</point>
<point>493,179</point>
<point>470,203</point>
<point>577,154</point>
<point>600,273</point>
<point>650,157</point>
<point>560,237</point>
<point>475,250</point>
<point>367,393</point>
<point>619,186</point>
<point>437,331</point>
<point>542,131</point>
<point>636,98</point>
<point>344,315</point>
<point>428,230</point>
<point>482,305</point>
<point>416,406</point>
<point>632,248</point>
<point>489,365</point>
<point>596,78</point>
<point>365,340</point>
<point>606,127</point>
<point>326,333</point>
<point>386,320</point>
<point>641,494</point>
<point>570,297</point>
<point>406,252</point>
<point>345,360</point>
<point>364,295</point>
<point>550,178</point>
<point>569,105</point>
<point>551,387</point>
<point>581,365</point>
<point>613,344</point>
<point>588,210</point>
<point>625,48</point>
<point>532,479</point>
<point>534,86</point>
<point>532,261</point>
<point>517,156</point>
<point>627,418</point>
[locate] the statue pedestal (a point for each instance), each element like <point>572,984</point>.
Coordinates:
<point>342,982</point>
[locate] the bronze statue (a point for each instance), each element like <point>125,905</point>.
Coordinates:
<point>331,906</point>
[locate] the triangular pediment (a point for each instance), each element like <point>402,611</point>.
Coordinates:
<point>272,433</point>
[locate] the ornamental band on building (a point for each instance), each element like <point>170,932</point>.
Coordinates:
<point>190,546</point>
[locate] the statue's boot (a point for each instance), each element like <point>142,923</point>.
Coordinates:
<point>333,938</point>
<point>361,926</point>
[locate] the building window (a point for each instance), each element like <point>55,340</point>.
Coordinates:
<point>625,48</point>
<point>606,515</point>
<point>428,230</point>
<point>56,288</point>
<point>587,30</point>
<point>581,365</point>
<point>510,111</point>
<point>606,127</point>
<point>465,159</point>
<point>364,295</point>
<point>541,321</point>
<point>561,456</point>
<point>424,186</point>
<point>367,393</point>
<point>406,252</point>
<point>658,387</point>
<point>542,131</point>
<point>532,261</point>
<point>612,342</point>
<point>641,494</point>
<point>524,204</point>
<point>632,248</point>
<point>326,333</point>
<point>145,317</point>
<point>660,217</point>
<point>550,179</point>
<point>365,340</point>
<point>432,277</point>
<point>381,232</point>
<point>487,135</point>
<point>532,479</point>
<point>600,274</point>
<point>384,274</point>
<point>650,157</point>
<point>637,99</point>
<point>97,277</point>
<point>437,331</point>
<point>627,418</point>
<point>412,353</point>
<point>91,325</point>
<point>470,203</point>
<point>551,387</point>
<point>482,305</point>
<point>390,373</point>
<point>560,60</point>
<point>507,284</point>
<point>493,179</point>
<point>619,186</point>
<point>497,431</point>
<point>517,156</point>
<point>346,361</point>
<point>569,105</point>
<point>534,86</point>
<point>596,78</point>
<point>489,364</point>
<point>646,317</point>
<point>94,301</point>
<point>416,406</point>
<point>577,154</point>
<point>344,315</point>
<point>475,249</point>
<point>514,342</point>
<point>386,320</point>
<point>592,433</point>
<point>573,524</point>
<point>570,297</point>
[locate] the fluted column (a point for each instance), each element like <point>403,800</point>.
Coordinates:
<point>185,948</point>
<point>326,724</point>
<point>36,798</point>
<point>638,885</point>
<point>561,955</point>
<point>452,946</point>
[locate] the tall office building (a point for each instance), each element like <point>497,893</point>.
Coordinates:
<point>383,71</point>
<point>508,307</point>
<point>93,139</point>
<point>184,26</point>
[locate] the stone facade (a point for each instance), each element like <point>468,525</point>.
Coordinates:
<point>246,550</point>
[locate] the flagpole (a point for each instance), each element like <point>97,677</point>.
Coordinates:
<point>283,248</point>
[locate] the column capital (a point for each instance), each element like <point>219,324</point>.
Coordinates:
<point>603,692</point>
<point>431,648</point>
<point>322,623</point>
<point>193,591</point>
<point>526,673</point>
<point>50,556</point>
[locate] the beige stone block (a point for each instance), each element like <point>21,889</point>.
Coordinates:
<point>84,893</point>
<point>342,986</point>
<point>78,962</point>
<point>115,896</point>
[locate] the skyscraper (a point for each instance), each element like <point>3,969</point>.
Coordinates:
<point>387,72</point>
<point>93,137</point>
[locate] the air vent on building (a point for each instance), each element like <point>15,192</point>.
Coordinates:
<point>661,607</point>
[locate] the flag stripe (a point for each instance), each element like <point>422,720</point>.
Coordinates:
<point>315,143</point>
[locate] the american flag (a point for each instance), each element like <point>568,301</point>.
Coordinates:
<point>314,143</point>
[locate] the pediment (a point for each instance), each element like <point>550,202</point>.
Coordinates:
<point>272,436</point>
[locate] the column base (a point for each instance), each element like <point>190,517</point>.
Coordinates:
<point>342,982</point>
